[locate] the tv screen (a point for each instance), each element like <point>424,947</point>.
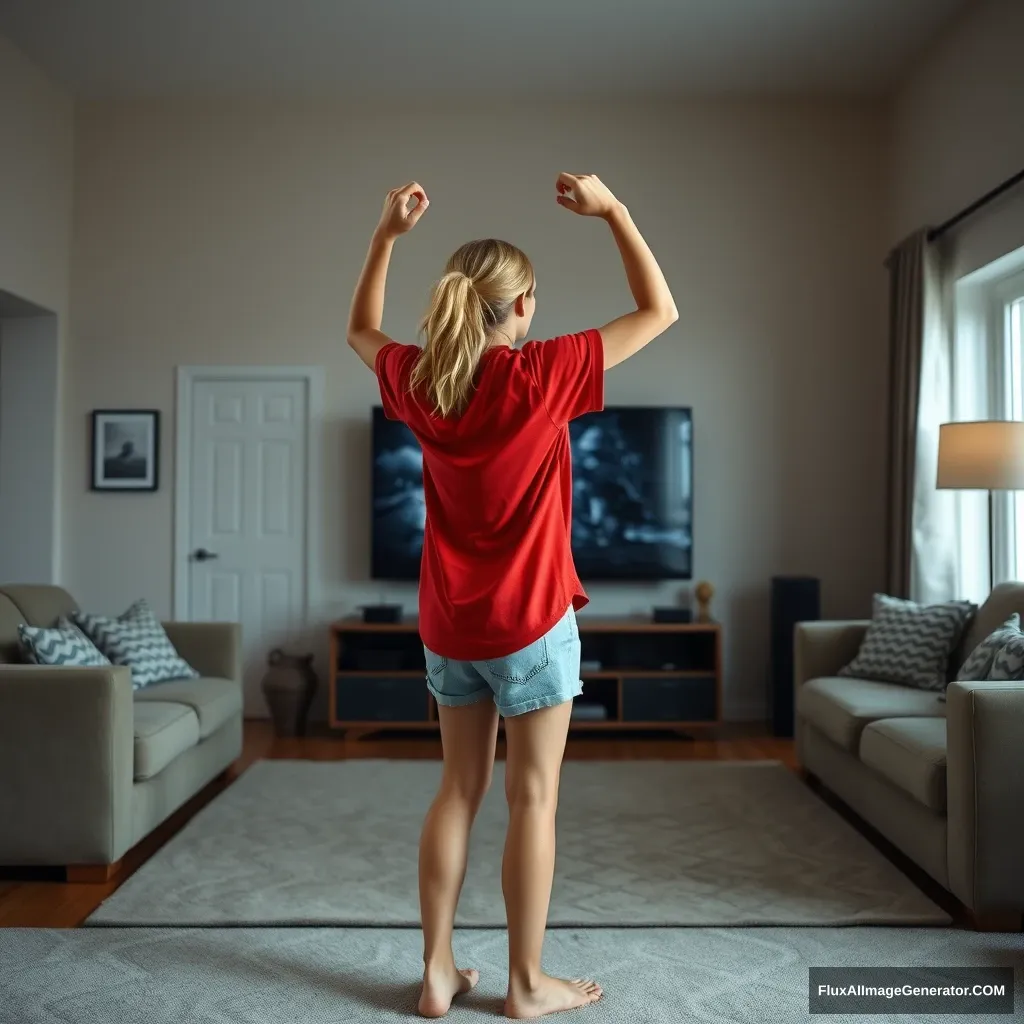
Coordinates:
<point>632,514</point>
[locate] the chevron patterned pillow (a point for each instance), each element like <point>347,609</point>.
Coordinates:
<point>64,644</point>
<point>136,639</point>
<point>909,643</point>
<point>1009,660</point>
<point>978,665</point>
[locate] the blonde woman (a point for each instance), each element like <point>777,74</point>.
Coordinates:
<point>498,589</point>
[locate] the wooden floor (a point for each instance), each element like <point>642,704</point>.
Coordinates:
<point>43,899</point>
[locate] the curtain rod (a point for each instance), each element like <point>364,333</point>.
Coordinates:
<point>975,206</point>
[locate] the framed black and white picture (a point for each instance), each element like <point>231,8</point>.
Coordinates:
<point>125,450</point>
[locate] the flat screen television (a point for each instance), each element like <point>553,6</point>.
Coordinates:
<point>632,515</point>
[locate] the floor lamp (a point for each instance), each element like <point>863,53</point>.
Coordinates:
<point>982,456</point>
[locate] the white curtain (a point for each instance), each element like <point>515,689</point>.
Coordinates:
<point>934,570</point>
<point>972,400</point>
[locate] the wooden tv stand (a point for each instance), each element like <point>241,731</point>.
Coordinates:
<point>651,676</point>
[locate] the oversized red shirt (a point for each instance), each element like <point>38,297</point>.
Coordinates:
<point>497,570</point>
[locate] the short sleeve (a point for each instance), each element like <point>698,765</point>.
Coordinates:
<point>392,367</point>
<point>569,370</point>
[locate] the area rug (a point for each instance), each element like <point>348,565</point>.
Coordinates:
<point>359,976</point>
<point>640,843</point>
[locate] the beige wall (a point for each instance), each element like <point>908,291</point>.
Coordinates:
<point>36,169</point>
<point>234,234</point>
<point>957,132</point>
<point>36,187</point>
<point>29,418</point>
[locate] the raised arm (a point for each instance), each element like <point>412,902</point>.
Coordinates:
<point>655,308</point>
<point>367,309</point>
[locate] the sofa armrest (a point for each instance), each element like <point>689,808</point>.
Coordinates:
<point>211,648</point>
<point>823,648</point>
<point>985,794</point>
<point>66,764</point>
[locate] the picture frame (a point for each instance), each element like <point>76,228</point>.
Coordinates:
<point>125,450</point>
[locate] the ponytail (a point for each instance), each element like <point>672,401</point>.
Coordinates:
<point>475,295</point>
<point>456,339</point>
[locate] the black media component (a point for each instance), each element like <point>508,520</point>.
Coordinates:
<point>671,614</point>
<point>793,599</point>
<point>382,613</point>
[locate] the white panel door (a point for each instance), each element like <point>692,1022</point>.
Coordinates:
<point>247,529</point>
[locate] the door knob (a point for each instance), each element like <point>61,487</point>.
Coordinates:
<point>202,555</point>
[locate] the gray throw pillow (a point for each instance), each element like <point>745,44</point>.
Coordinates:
<point>138,640</point>
<point>978,665</point>
<point>1009,660</point>
<point>64,644</point>
<point>910,643</point>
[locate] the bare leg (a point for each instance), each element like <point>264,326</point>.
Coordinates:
<point>536,743</point>
<point>468,736</point>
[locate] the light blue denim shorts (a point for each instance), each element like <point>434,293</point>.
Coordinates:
<point>545,673</point>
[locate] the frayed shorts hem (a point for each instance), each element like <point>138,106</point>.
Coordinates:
<point>462,700</point>
<point>549,700</point>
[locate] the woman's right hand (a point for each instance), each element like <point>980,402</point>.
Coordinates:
<point>591,197</point>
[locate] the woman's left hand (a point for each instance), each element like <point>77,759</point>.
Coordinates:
<point>397,217</point>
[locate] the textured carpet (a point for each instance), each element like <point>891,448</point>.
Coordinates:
<point>641,843</point>
<point>339,976</point>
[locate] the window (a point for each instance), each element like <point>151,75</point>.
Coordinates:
<point>988,372</point>
<point>1012,301</point>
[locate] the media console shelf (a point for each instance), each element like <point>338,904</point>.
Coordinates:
<point>636,675</point>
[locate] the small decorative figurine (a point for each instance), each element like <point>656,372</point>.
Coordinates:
<point>703,592</point>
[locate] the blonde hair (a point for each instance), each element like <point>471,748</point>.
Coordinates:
<point>481,282</point>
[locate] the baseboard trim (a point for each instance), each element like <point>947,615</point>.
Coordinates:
<point>91,874</point>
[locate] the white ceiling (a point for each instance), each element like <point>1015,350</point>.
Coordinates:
<point>548,49</point>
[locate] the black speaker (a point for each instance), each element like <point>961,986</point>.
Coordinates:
<point>382,613</point>
<point>671,614</point>
<point>794,599</point>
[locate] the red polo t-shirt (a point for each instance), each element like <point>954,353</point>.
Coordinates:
<point>497,570</point>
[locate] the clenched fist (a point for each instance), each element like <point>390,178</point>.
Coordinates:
<point>591,197</point>
<point>397,217</point>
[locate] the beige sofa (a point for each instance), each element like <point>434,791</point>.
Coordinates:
<point>943,781</point>
<point>87,766</point>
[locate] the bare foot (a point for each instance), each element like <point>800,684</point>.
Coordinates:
<point>441,986</point>
<point>550,995</point>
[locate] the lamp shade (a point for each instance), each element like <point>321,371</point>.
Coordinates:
<point>985,456</point>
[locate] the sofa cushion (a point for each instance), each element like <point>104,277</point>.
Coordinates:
<point>40,603</point>
<point>162,732</point>
<point>911,754</point>
<point>214,701</point>
<point>909,643</point>
<point>841,708</point>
